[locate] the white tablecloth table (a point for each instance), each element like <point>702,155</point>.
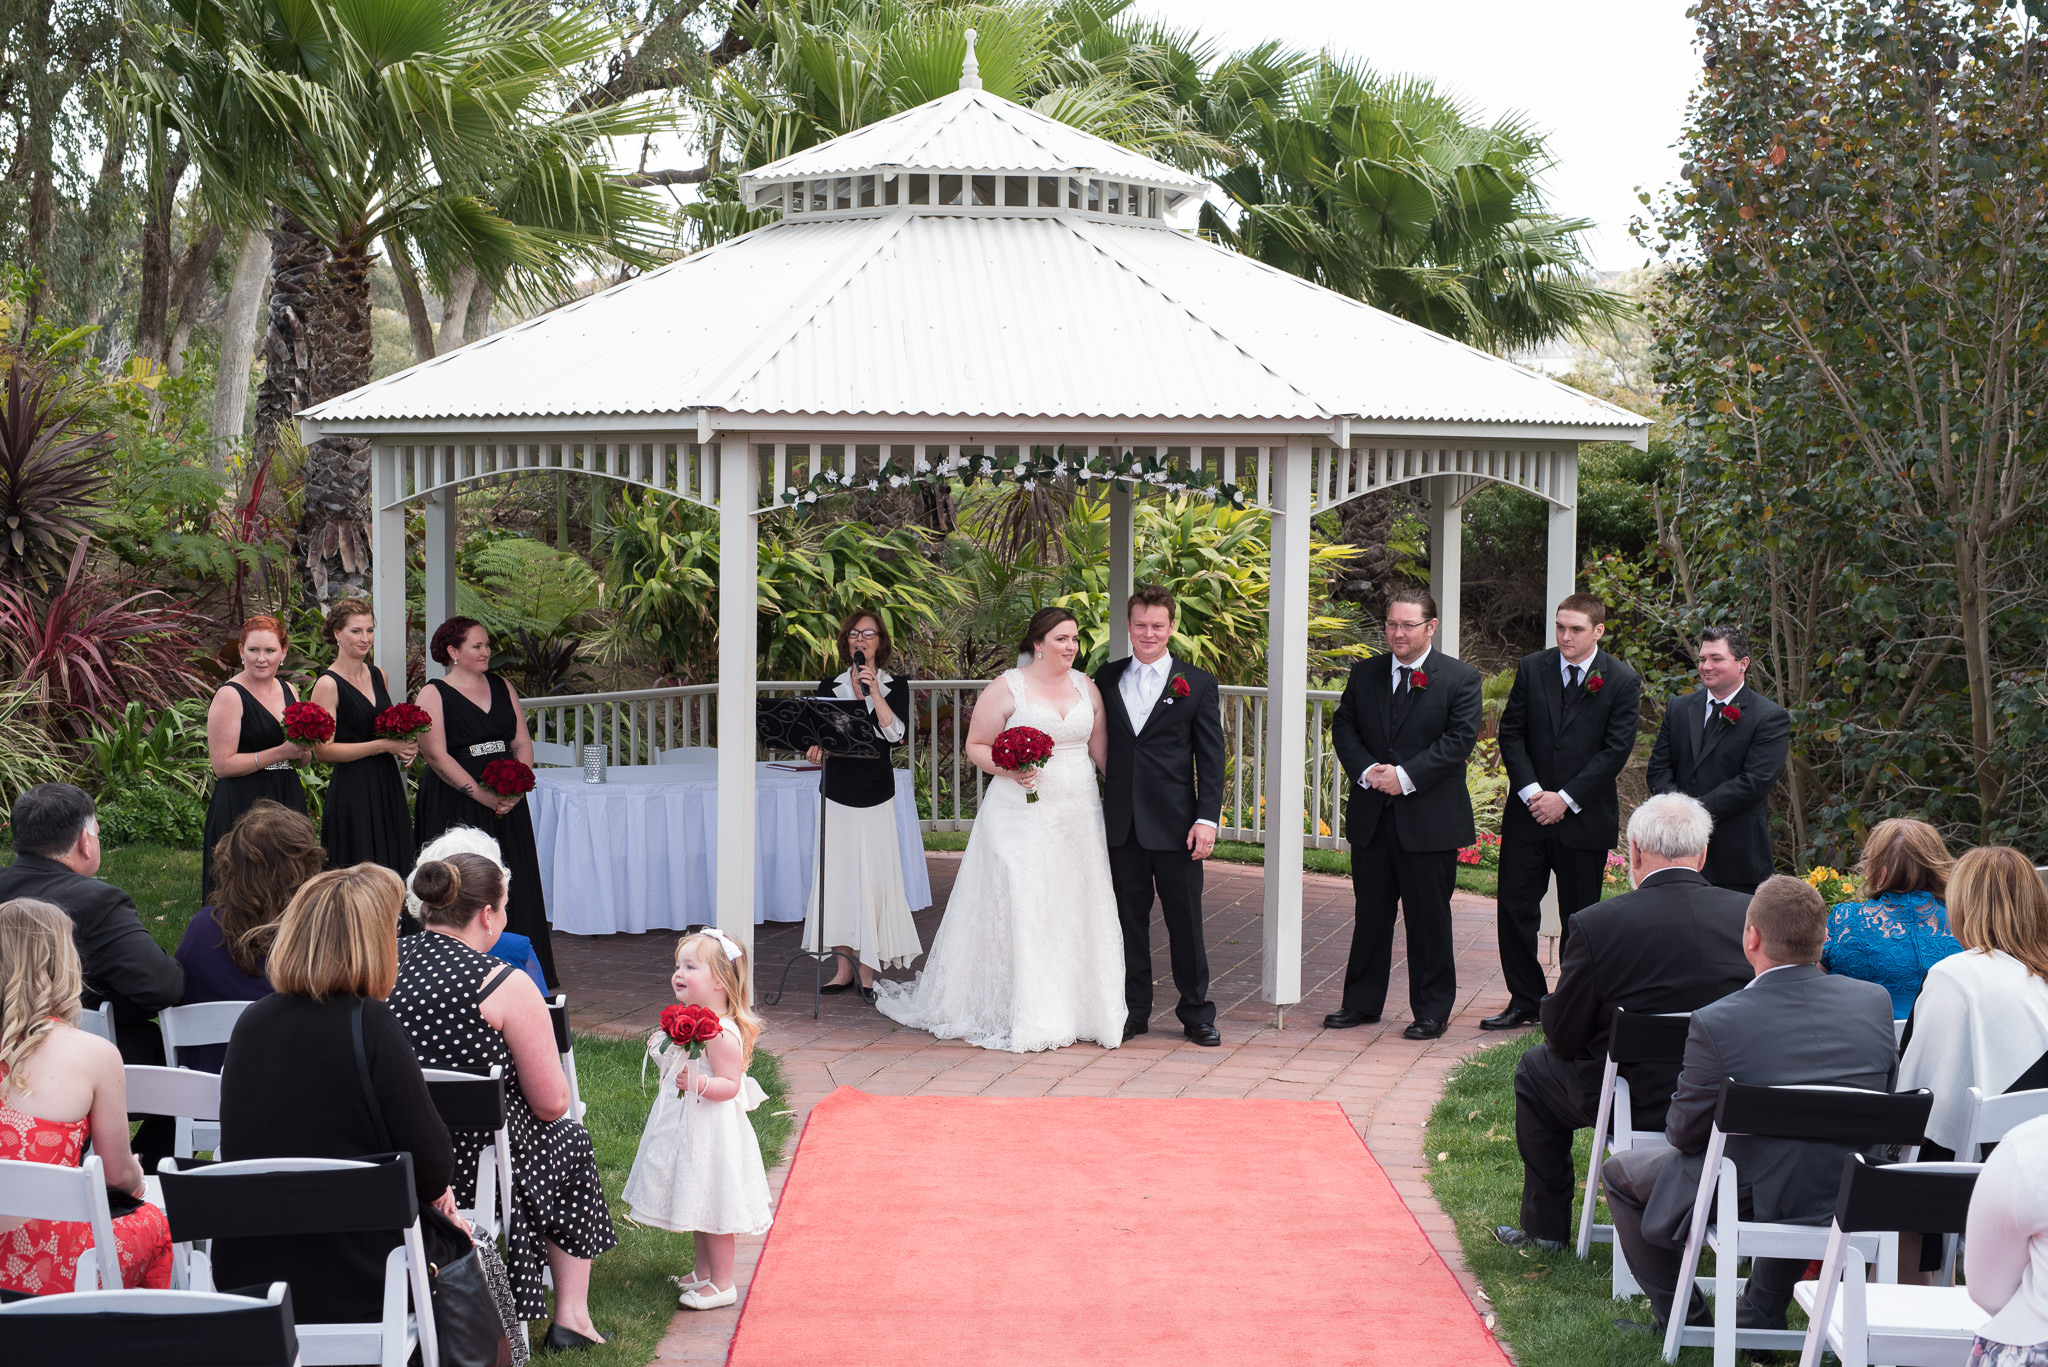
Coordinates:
<point>640,851</point>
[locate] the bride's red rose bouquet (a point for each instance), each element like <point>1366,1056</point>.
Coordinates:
<point>308,723</point>
<point>691,1026</point>
<point>1022,747</point>
<point>402,721</point>
<point>506,777</point>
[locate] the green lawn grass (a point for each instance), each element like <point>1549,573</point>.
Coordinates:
<point>163,882</point>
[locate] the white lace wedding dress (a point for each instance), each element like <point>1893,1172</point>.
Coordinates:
<point>1029,955</point>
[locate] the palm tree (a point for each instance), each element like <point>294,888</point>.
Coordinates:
<point>443,125</point>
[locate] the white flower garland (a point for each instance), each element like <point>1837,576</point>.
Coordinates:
<point>1034,467</point>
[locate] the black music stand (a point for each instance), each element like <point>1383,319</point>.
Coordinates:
<point>841,728</point>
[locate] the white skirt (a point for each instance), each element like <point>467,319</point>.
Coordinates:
<point>865,906</point>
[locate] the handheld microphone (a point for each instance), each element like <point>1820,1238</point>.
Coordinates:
<point>860,659</point>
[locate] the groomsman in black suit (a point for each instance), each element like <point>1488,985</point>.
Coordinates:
<point>1403,730</point>
<point>1569,727</point>
<point>1726,744</point>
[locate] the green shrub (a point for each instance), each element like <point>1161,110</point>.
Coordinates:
<point>148,811</point>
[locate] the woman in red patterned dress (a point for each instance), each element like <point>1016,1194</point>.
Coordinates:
<point>59,1086</point>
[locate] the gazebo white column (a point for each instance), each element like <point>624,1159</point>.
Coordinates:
<point>1561,580</point>
<point>444,539</point>
<point>387,563</point>
<point>1446,559</point>
<point>1122,544</point>
<point>1286,721</point>
<point>739,551</point>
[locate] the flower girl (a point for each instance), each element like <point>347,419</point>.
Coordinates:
<point>699,1167</point>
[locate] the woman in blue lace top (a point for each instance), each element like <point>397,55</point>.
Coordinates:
<point>1901,928</point>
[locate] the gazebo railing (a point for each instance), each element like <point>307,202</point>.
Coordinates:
<point>637,725</point>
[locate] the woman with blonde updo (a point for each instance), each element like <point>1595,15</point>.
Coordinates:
<point>60,1086</point>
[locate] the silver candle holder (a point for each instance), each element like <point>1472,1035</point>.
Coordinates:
<point>593,763</point>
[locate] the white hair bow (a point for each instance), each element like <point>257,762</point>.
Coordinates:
<point>725,942</point>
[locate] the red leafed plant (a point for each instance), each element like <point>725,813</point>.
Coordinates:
<point>307,723</point>
<point>506,777</point>
<point>691,1026</point>
<point>402,721</point>
<point>1021,747</point>
<point>49,482</point>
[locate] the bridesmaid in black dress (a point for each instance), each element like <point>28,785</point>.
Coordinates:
<point>245,741</point>
<point>365,819</point>
<point>477,718</point>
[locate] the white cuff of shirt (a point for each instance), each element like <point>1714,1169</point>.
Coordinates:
<point>1205,821</point>
<point>1529,790</point>
<point>1567,799</point>
<point>893,732</point>
<point>1407,784</point>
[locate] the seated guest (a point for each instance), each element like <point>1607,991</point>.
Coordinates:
<point>57,854</point>
<point>263,860</point>
<point>59,1087</point>
<point>1765,1035</point>
<point>2008,1243</point>
<point>1900,928</point>
<point>510,948</point>
<point>1982,1017</point>
<point>467,1011</point>
<point>292,1088</point>
<point>1674,944</point>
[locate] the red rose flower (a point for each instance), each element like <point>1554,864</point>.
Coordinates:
<point>308,723</point>
<point>1594,683</point>
<point>1021,747</point>
<point>402,721</point>
<point>1730,713</point>
<point>1180,686</point>
<point>691,1026</point>
<point>1418,680</point>
<point>506,777</point>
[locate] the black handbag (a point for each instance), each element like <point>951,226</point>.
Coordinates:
<point>467,1326</point>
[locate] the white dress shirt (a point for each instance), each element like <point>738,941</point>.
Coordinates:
<point>1141,687</point>
<point>843,688</point>
<point>1419,667</point>
<point>1715,704</point>
<point>1564,675</point>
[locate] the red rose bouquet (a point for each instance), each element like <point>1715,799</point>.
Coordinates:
<point>506,777</point>
<point>402,721</point>
<point>691,1026</point>
<point>1180,686</point>
<point>1021,747</point>
<point>308,723</point>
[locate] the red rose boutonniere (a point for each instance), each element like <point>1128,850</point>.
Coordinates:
<point>1179,685</point>
<point>1594,683</point>
<point>1418,680</point>
<point>1730,713</point>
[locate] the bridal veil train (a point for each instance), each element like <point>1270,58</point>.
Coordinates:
<point>1029,955</point>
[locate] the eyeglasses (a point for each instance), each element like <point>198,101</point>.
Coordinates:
<point>862,635</point>
<point>1405,626</point>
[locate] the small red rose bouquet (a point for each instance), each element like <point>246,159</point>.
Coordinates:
<point>1594,683</point>
<point>1180,686</point>
<point>1730,713</point>
<point>506,777</point>
<point>402,721</point>
<point>691,1026</point>
<point>1022,747</point>
<point>1418,680</point>
<point>308,723</point>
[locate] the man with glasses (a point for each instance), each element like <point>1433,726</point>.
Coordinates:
<point>1403,730</point>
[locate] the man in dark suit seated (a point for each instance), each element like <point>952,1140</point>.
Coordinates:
<point>1674,944</point>
<point>57,854</point>
<point>1794,1024</point>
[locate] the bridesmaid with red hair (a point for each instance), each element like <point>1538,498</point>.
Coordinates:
<point>245,740</point>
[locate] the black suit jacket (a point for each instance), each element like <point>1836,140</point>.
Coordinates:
<point>1731,770</point>
<point>1797,1024</point>
<point>1432,742</point>
<point>122,963</point>
<point>1163,779</point>
<point>1579,744</point>
<point>1674,944</point>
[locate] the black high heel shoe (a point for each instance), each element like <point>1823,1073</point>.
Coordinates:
<point>560,1340</point>
<point>834,989</point>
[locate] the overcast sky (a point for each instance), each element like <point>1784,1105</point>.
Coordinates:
<point>1606,79</point>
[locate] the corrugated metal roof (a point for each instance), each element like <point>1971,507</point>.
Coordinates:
<point>972,130</point>
<point>972,317</point>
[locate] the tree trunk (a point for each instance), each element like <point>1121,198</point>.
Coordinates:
<point>455,310</point>
<point>298,272</point>
<point>480,311</point>
<point>152,319</point>
<point>239,331</point>
<point>189,288</point>
<point>334,534</point>
<point>43,96</point>
<point>416,319</point>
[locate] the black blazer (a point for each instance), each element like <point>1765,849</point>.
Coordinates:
<point>1674,944</point>
<point>1731,770</point>
<point>1432,743</point>
<point>1161,780</point>
<point>122,964</point>
<point>1797,1024</point>
<point>1579,744</point>
<point>868,782</point>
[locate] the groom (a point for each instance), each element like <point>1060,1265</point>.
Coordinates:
<point>1161,801</point>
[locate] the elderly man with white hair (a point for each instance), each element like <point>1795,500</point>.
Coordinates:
<point>512,948</point>
<point>1673,944</point>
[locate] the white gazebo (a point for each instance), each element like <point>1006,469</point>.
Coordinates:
<point>973,288</point>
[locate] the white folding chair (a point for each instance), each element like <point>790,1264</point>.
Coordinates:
<point>688,754</point>
<point>46,1191</point>
<point>547,752</point>
<point>303,1197</point>
<point>1990,1117</point>
<point>470,1101</point>
<point>160,1328</point>
<point>98,1021</point>
<point>1848,1116</point>
<point>1912,1326</point>
<point>202,1023</point>
<point>1632,1037</point>
<point>565,1045</point>
<point>191,1097</point>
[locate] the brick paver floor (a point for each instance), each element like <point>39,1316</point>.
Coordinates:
<point>618,984</point>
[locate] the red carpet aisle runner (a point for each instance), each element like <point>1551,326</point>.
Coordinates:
<point>1005,1233</point>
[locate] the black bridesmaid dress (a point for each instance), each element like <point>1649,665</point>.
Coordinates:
<point>232,796</point>
<point>474,738</point>
<point>365,819</point>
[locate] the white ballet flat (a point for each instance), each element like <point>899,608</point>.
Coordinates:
<point>698,1297</point>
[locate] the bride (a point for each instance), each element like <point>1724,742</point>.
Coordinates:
<point>1029,955</point>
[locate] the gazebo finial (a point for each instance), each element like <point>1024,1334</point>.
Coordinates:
<point>970,69</point>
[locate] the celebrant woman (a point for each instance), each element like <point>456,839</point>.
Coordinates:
<point>478,719</point>
<point>365,819</point>
<point>865,915</point>
<point>246,746</point>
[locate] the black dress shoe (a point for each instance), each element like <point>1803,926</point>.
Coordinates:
<point>1514,1018</point>
<point>867,994</point>
<point>1344,1018</point>
<point>1510,1237</point>
<point>1204,1035</point>
<point>568,1340</point>
<point>1133,1029</point>
<point>1424,1030</point>
<point>834,989</point>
